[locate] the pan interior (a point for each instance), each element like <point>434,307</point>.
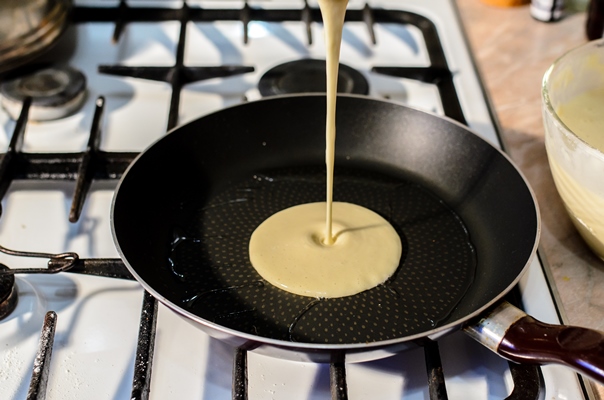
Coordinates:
<point>209,258</point>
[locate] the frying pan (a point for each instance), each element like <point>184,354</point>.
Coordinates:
<point>184,211</point>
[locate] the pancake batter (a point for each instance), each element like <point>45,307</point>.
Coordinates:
<point>289,250</point>
<point>583,115</point>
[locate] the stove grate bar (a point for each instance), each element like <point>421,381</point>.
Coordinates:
<point>39,376</point>
<point>128,14</point>
<point>120,23</point>
<point>10,158</point>
<point>528,382</point>
<point>436,378</point>
<point>369,20</point>
<point>245,17</point>
<point>65,166</point>
<point>105,267</point>
<point>141,381</point>
<point>239,390</point>
<point>306,18</point>
<point>86,168</point>
<point>337,380</point>
<point>164,74</point>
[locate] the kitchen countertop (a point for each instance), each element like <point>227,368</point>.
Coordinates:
<point>512,52</point>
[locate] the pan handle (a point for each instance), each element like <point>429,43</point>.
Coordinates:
<point>518,337</point>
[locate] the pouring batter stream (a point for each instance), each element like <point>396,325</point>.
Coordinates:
<point>354,249</point>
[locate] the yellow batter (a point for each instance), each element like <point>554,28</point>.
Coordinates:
<point>584,115</point>
<point>585,207</point>
<point>326,249</point>
<point>289,250</point>
<point>333,12</point>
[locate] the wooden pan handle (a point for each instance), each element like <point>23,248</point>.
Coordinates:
<point>519,337</point>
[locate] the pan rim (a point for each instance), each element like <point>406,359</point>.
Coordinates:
<point>291,345</point>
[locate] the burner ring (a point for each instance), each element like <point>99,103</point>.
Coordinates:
<point>308,76</point>
<point>55,91</point>
<point>8,294</point>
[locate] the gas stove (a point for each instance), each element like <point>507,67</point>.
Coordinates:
<point>92,332</point>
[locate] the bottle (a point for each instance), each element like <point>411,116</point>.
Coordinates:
<point>547,10</point>
<point>594,27</point>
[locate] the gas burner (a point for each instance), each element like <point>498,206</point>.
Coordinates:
<point>308,75</point>
<point>8,294</point>
<point>55,91</point>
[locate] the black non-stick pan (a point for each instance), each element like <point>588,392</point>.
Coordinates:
<point>184,212</point>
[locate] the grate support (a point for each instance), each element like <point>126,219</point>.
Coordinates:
<point>143,364</point>
<point>39,376</point>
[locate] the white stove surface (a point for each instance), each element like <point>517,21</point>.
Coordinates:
<point>98,318</point>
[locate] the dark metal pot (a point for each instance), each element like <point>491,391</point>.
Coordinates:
<point>185,209</point>
<point>28,28</point>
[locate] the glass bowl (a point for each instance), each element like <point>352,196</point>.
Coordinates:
<point>575,157</point>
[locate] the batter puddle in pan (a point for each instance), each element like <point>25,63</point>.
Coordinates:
<point>211,260</point>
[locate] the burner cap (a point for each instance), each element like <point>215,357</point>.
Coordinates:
<point>8,294</point>
<point>308,75</point>
<point>55,91</point>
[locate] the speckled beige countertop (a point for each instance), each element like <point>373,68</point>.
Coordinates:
<point>513,51</point>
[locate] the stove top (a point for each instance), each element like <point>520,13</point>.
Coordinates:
<point>151,66</point>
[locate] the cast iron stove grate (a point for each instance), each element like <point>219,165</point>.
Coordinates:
<point>95,164</point>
